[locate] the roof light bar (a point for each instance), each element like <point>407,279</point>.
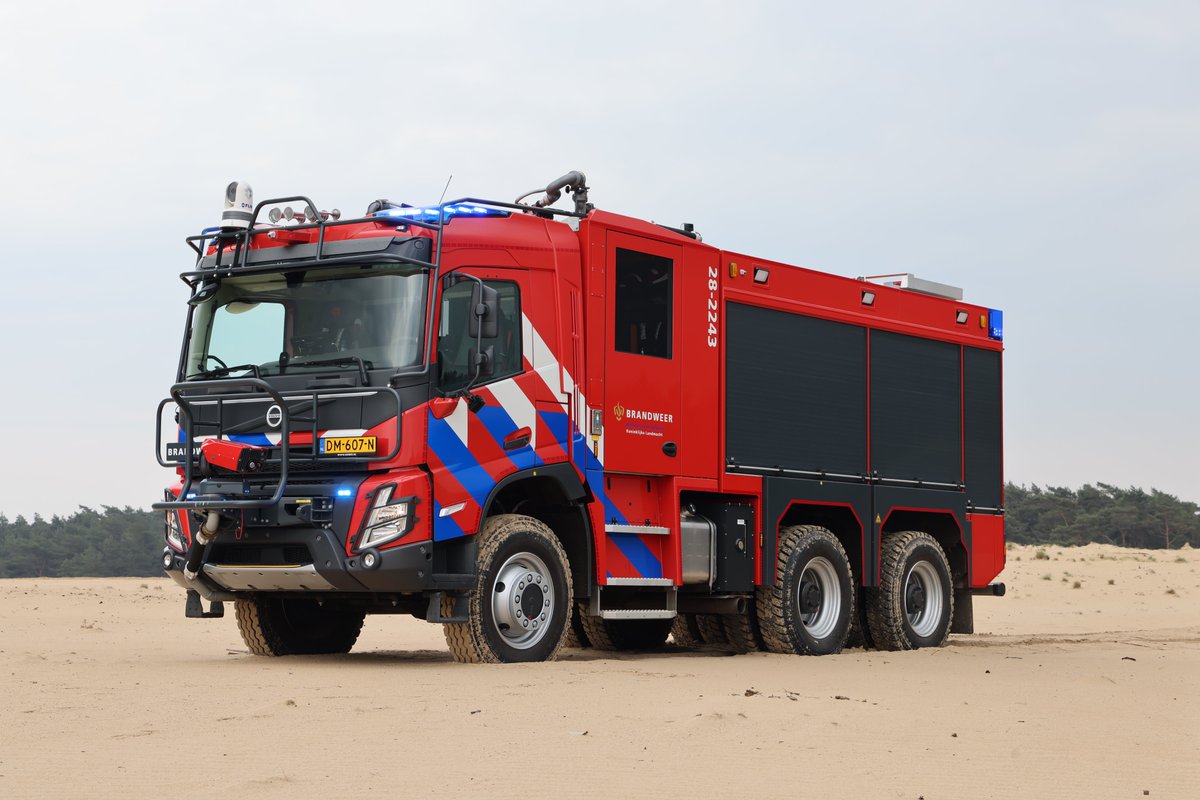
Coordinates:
<point>432,213</point>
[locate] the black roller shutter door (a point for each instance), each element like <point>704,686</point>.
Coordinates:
<point>916,408</point>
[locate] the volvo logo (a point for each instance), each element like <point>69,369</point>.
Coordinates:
<point>274,416</point>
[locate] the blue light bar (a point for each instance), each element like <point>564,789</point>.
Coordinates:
<point>996,324</point>
<point>343,492</point>
<point>430,214</point>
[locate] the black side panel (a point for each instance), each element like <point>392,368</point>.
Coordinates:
<point>982,425</point>
<point>735,544</point>
<point>780,493</point>
<point>796,390</point>
<point>916,408</point>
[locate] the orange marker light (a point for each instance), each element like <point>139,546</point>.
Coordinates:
<point>733,270</point>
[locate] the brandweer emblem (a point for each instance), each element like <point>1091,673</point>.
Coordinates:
<point>618,412</point>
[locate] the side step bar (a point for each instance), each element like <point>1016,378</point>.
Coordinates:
<point>635,598</point>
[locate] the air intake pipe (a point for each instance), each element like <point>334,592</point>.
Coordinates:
<point>575,181</point>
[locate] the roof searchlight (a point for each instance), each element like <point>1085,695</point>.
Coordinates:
<point>239,206</point>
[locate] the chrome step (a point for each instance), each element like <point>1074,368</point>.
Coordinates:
<point>617,613</point>
<point>640,582</point>
<point>654,530</point>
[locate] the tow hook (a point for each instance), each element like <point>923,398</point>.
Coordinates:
<point>204,536</point>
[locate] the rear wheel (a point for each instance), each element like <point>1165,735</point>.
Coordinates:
<point>741,631</point>
<point>521,605</point>
<point>624,634</point>
<point>712,632</point>
<point>809,609</point>
<point>914,602</point>
<point>576,635</point>
<point>276,626</point>
<point>685,631</point>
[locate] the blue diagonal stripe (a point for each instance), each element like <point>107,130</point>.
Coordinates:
<point>458,460</point>
<point>499,424</point>
<point>634,549</point>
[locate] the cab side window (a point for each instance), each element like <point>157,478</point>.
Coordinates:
<point>456,345</point>
<point>643,304</point>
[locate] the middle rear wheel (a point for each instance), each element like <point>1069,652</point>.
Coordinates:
<point>624,634</point>
<point>809,609</point>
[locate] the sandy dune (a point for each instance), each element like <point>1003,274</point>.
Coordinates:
<point>1088,691</point>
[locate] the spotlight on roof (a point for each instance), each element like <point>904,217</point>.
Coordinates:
<point>239,206</point>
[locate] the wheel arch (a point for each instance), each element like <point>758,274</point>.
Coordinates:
<point>944,526</point>
<point>839,518</point>
<point>554,495</point>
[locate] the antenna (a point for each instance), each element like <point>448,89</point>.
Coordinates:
<point>444,188</point>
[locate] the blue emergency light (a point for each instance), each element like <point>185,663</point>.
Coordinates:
<point>996,324</point>
<point>428,214</point>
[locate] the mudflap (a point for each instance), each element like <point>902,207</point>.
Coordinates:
<point>964,613</point>
<point>194,607</point>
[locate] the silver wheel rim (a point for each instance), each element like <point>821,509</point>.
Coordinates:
<point>924,597</point>
<point>523,600</point>
<point>819,598</point>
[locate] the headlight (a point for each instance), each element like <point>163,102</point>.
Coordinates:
<point>388,519</point>
<point>174,533</point>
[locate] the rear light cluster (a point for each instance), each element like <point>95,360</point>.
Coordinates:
<point>388,519</point>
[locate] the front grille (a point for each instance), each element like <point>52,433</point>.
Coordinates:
<point>270,555</point>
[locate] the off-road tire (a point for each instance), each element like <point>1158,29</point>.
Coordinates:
<point>576,635</point>
<point>887,621</point>
<point>624,634</point>
<point>479,640</point>
<point>712,632</point>
<point>779,614</point>
<point>860,636</point>
<point>685,631</point>
<point>741,631</point>
<point>275,626</point>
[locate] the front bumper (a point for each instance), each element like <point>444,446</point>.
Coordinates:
<point>405,569</point>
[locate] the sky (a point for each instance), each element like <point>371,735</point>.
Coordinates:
<point>1043,156</point>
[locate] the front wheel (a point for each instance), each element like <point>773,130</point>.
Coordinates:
<point>521,605</point>
<point>914,602</point>
<point>275,626</point>
<point>809,609</point>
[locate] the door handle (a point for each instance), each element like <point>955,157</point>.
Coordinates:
<point>517,439</point>
<point>670,449</point>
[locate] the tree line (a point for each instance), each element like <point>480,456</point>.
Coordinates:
<point>128,541</point>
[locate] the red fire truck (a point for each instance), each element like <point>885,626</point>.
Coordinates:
<point>536,425</point>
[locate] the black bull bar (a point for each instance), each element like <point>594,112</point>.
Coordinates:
<point>219,392</point>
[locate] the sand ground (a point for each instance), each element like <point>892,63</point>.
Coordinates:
<point>106,690</point>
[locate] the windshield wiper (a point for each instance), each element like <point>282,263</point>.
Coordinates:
<point>363,366</point>
<point>219,371</point>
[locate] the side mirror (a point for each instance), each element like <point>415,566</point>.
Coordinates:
<point>485,360</point>
<point>204,291</point>
<point>485,311</point>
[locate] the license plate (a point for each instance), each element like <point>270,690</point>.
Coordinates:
<point>348,445</point>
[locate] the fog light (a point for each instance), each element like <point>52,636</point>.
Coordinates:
<point>167,559</point>
<point>370,559</point>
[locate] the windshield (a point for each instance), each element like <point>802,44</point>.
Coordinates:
<point>316,320</point>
